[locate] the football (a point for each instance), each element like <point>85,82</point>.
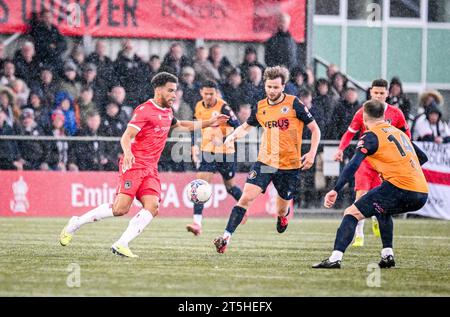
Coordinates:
<point>199,191</point>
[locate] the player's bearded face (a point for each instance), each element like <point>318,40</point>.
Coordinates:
<point>168,95</point>
<point>379,93</point>
<point>274,89</point>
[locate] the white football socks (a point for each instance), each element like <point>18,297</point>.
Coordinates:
<point>386,252</point>
<point>136,225</point>
<point>100,212</point>
<point>336,256</point>
<point>360,229</point>
<point>198,219</point>
<point>227,236</point>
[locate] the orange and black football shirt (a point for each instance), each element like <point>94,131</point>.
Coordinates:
<point>213,137</point>
<point>391,153</point>
<point>282,124</point>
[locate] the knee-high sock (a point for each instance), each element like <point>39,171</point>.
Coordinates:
<point>136,225</point>
<point>386,230</point>
<point>360,228</point>
<point>237,214</point>
<point>236,192</point>
<point>345,233</point>
<point>96,214</point>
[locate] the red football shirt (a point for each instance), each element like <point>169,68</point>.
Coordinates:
<point>392,115</point>
<point>153,123</point>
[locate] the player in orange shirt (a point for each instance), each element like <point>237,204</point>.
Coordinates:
<point>282,118</point>
<point>366,177</point>
<point>214,156</point>
<point>404,188</point>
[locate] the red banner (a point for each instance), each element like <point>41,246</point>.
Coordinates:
<point>232,20</point>
<point>64,194</point>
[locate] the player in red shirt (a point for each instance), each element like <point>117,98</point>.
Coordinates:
<point>142,144</point>
<point>366,177</point>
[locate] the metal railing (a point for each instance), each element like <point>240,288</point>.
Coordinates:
<point>117,139</point>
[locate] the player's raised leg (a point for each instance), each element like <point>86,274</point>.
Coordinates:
<point>120,207</point>
<point>136,225</point>
<point>196,226</point>
<point>343,239</point>
<point>251,192</point>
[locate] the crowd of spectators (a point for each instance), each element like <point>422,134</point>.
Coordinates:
<point>45,90</point>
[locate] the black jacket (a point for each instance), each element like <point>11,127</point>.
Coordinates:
<point>281,49</point>
<point>87,155</point>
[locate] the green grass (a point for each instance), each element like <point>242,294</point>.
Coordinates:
<point>259,262</point>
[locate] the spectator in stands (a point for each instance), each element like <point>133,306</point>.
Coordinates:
<point>332,69</point>
<point>311,78</point>
<point>428,98</point>
<point>307,190</point>
<point>233,91</point>
<point>49,43</point>
<point>9,151</point>
<point>9,73</point>
<point>114,124</point>
<point>31,151</point>
<point>154,64</point>
<point>181,109</point>
<point>324,104</point>
<point>105,66</point>
<point>175,59</point>
<point>9,107</point>
<point>430,127</point>
<point>244,112</point>
<point>338,86</point>
<point>90,155</point>
<point>281,48</point>
<point>64,102</point>
<point>118,95</point>
<point>77,59</point>
<point>85,103</point>
<point>397,98</point>
<point>47,85</point>
<point>254,87</point>
<point>132,74</point>
<point>343,114</point>
<point>41,113</point>
<point>27,66</point>
<point>21,90</point>
<point>57,152</point>
<point>250,59</point>
<point>98,86</point>
<point>69,81</point>
<point>219,62</point>
<point>298,81</point>
<point>3,57</point>
<point>191,88</point>
<point>203,68</point>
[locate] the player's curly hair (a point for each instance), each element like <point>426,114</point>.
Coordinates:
<point>272,73</point>
<point>161,79</point>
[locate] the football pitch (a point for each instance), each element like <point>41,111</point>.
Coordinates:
<point>259,261</point>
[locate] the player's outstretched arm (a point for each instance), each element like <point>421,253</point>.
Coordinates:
<point>195,125</point>
<point>128,157</point>
<point>240,132</point>
<point>308,158</point>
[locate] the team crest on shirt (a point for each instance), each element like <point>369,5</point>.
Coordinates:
<point>215,113</point>
<point>127,185</point>
<point>252,174</point>
<point>284,110</point>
